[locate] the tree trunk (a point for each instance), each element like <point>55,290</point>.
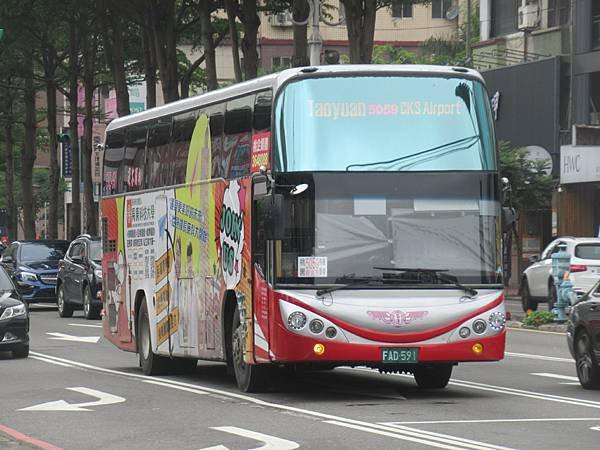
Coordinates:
<point>29,152</point>
<point>251,23</point>
<point>89,59</point>
<point>115,53</point>
<point>360,23</point>
<point>149,67</point>
<point>300,56</point>
<point>162,21</point>
<point>53,200</point>
<point>235,42</point>
<point>75,216</point>
<point>208,45</point>
<point>7,106</point>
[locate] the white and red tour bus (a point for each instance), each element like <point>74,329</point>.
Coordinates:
<point>318,217</point>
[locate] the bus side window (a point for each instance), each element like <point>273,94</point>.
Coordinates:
<point>216,113</point>
<point>183,127</point>
<point>135,155</point>
<point>157,163</point>
<point>262,112</point>
<point>113,157</point>
<point>238,137</point>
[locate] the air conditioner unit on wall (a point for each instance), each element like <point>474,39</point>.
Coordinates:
<point>529,15</point>
<point>282,19</point>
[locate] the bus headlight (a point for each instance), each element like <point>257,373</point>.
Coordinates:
<point>316,326</point>
<point>464,332</point>
<point>497,321</point>
<point>296,320</point>
<point>479,326</point>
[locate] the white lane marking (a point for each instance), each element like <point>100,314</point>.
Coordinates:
<point>271,442</point>
<point>556,376</point>
<point>181,388</point>
<point>172,384</point>
<point>68,337</point>
<point>50,361</point>
<point>89,325</point>
<point>554,419</point>
<point>544,358</point>
<point>537,331</point>
<point>104,398</point>
<point>216,447</point>
<point>596,428</point>
<point>505,390</point>
<point>570,384</point>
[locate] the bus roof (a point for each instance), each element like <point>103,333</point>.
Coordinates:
<point>276,80</point>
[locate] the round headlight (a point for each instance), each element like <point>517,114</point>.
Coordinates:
<point>296,320</point>
<point>479,326</point>
<point>464,332</point>
<point>330,332</point>
<point>316,326</point>
<point>497,321</point>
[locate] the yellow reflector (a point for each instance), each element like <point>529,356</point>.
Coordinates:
<point>319,349</point>
<point>477,348</point>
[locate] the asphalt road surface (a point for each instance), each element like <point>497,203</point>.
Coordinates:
<point>77,391</point>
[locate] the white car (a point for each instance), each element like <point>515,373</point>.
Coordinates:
<point>537,284</point>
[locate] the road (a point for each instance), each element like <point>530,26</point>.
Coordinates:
<point>101,400</point>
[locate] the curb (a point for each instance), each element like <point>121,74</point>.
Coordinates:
<point>553,327</point>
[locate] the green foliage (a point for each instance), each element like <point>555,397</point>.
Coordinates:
<point>537,318</point>
<point>531,186</point>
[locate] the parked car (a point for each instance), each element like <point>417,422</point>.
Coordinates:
<point>537,284</point>
<point>33,266</point>
<point>583,332</point>
<point>14,319</point>
<point>79,284</point>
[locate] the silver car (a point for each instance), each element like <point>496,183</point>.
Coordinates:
<point>537,284</point>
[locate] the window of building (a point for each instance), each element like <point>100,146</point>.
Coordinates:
<point>401,10</point>
<point>238,137</point>
<point>559,12</point>
<point>282,62</point>
<point>504,17</point>
<point>439,8</point>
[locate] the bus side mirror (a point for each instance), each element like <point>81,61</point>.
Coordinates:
<point>273,216</point>
<point>259,186</point>
<point>508,218</point>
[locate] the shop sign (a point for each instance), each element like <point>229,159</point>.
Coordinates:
<point>579,164</point>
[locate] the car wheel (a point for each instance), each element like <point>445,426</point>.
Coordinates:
<point>64,309</point>
<point>151,363</point>
<point>552,297</point>
<point>588,371</point>
<point>434,376</point>
<point>21,352</point>
<point>89,311</point>
<point>249,377</point>
<point>527,302</point>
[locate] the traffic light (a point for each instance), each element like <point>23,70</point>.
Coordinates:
<point>63,137</point>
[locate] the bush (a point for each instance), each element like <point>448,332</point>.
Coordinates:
<point>537,318</point>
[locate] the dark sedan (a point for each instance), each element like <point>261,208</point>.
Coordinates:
<point>33,266</point>
<point>583,337</point>
<point>14,319</point>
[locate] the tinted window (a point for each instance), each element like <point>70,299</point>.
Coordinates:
<point>96,251</point>
<point>77,250</point>
<point>183,127</point>
<point>157,156</point>
<point>216,114</point>
<point>262,111</point>
<point>588,251</point>
<point>238,136</point>
<point>135,154</point>
<point>113,156</point>
<point>43,252</point>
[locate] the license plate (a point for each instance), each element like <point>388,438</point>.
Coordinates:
<point>400,355</point>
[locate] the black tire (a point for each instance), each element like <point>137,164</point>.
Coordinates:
<point>21,352</point>
<point>64,309</point>
<point>150,363</point>
<point>588,371</point>
<point>435,376</point>
<point>527,302</point>
<point>90,312</point>
<point>552,297</point>
<point>249,377</point>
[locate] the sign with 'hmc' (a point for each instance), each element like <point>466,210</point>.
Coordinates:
<point>579,164</point>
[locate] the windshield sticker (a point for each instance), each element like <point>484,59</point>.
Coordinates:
<point>342,110</point>
<point>312,266</point>
<point>397,318</point>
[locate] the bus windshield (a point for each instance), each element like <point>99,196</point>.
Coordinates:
<point>383,123</point>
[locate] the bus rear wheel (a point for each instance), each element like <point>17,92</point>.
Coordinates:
<point>249,377</point>
<point>151,363</point>
<point>435,376</point>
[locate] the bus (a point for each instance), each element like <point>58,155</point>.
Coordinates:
<point>344,215</point>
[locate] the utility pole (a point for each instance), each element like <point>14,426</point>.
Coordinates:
<point>469,55</point>
<point>315,42</point>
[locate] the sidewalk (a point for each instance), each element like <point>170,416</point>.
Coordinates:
<point>513,305</point>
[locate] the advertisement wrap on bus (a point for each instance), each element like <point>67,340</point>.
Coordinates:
<point>337,216</point>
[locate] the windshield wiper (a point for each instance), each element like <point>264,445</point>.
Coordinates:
<point>437,274</point>
<point>422,152</point>
<point>353,280</point>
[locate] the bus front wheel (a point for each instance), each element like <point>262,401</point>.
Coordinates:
<point>151,363</point>
<point>435,376</point>
<point>249,377</point>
